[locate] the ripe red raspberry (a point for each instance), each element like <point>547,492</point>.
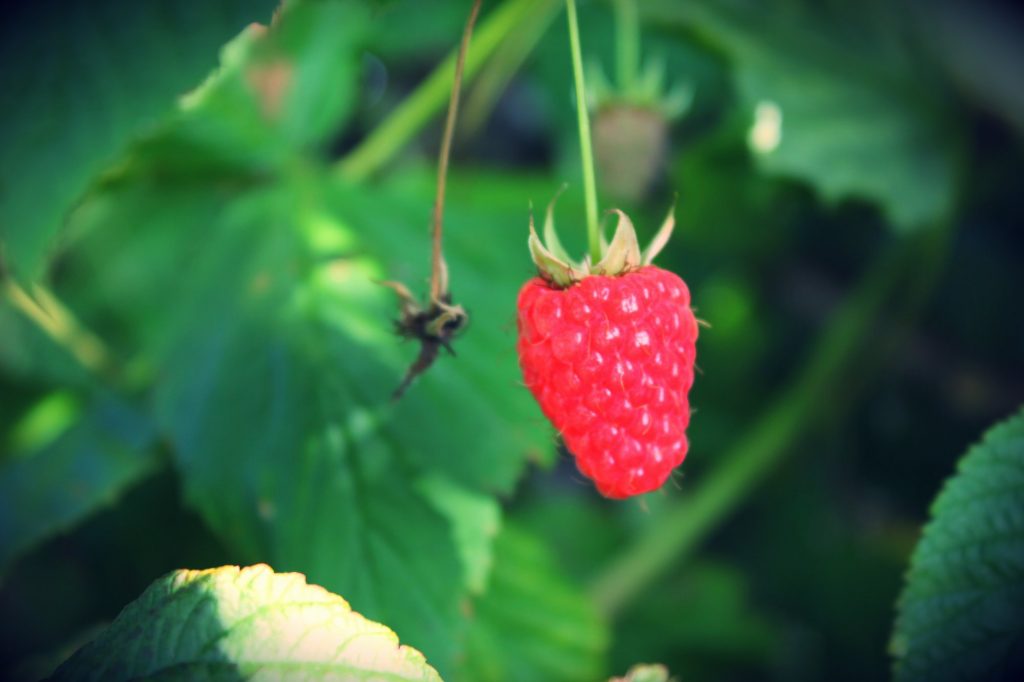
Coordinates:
<point>610,360</point>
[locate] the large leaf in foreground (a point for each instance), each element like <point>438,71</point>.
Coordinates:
<point>532,624</point>
<point>50,488</point>
<point>844,102</point>
<point>961,615</point>
<point>278,413</point>
<point>273,366</point>
<point>82,79</point>
<point>240,624</point>
<point>273,361</point>
<point>273,373</point>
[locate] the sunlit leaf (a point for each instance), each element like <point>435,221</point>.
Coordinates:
<point>645,672</point>
<point>243,624</point>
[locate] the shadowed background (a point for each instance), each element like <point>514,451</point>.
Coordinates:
<point>201,372</point>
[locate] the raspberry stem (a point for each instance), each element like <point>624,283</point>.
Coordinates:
<point>583,121</point>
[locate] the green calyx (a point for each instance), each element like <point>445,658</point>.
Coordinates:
<point>647,91</point>
<point>619,256</point>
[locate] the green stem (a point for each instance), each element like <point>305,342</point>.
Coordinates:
<point>627,45</point>
<point>507,60</point>
<point>836,359</point>
<point>50,315</point>
<point>409,118</point>
<point>583,121</point>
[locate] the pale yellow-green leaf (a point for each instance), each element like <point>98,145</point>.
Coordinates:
<point>232,623</point>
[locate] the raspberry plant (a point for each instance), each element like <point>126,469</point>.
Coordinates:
<point>198,201</point>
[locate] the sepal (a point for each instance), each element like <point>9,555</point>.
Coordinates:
<point>648,91</point>
<point>661,237</point>
<point>556,270</point>
<point>551,239</point>
<point>623,253</point>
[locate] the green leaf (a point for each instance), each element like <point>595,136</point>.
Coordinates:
<point>271,390</point>
<point>274,364</point>
<point>475,520</point>
<point>52,487</point>
<point>839,100</point>
<point>278,417</point>
<point>532,623</point>
<point>278,93</point>
<point>242,624</point>
<point>81,80</point>
<point>961,614</point>
<point>475,402</point>
<point>274,360</point>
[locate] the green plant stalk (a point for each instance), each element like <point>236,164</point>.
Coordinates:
<point>850,337</point>
<point>583,122</point>
<point>51,316</point>
<point>427,100</point>
<point>495,77</point>
<point>627,45</point>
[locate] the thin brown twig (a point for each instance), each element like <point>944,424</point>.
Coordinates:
<point>437,323</point>
<point>438,276</point>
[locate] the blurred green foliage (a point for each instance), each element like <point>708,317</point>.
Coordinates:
<point>87,79</point>
<point>174,193</point>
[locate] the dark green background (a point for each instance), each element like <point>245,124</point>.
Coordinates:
<point>227,264</point>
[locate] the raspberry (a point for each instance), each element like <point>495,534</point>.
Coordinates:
<point>610,360</point>
<point>631,128</point>
<point>629,147</point>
